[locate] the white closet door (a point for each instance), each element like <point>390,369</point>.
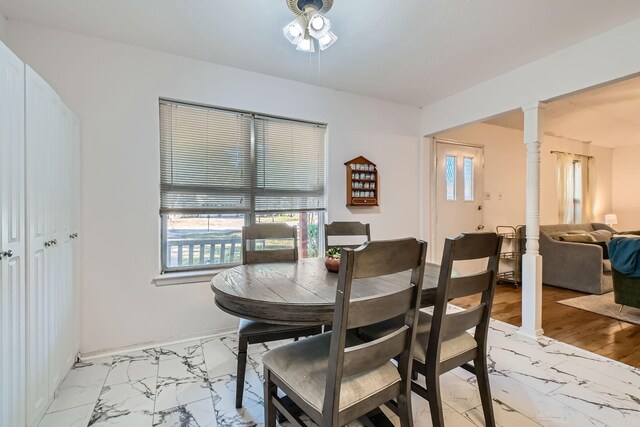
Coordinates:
<point>39,113</point>
<point>75,228</point>
<point>53,228</point>
<point>12,241</point>
<point>65,250</point>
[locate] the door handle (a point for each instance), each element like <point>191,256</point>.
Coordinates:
<point>6,254</point>
<point>481,227</point>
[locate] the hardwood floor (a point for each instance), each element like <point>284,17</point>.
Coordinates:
<point>599,334</point>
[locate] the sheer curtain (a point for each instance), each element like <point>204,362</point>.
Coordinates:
<point>576,188</point>
<point>565,188</point>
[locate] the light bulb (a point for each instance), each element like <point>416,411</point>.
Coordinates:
<point>317,22</point>
<point>294,31</point>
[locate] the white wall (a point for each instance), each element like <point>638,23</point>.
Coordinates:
<point>626,177</point>
<point>608,56</point>
<point>505,173</point>
<point>114,88</point>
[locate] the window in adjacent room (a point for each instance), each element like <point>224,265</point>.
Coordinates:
<point>576,188</point>
<point>224,169</point>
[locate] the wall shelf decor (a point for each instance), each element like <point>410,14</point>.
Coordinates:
<point>362,182</point>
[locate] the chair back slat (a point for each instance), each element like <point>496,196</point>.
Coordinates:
<point>465,247</point>
<point>275,255</point>
<point>388,257</point>
<point>470,285</point>
<point>459,322</point>
<point>345,228</point>
<point>268,231</point>
<point>474,246</point>
<point>368,356</point>
<point>373,310</point>
<point>369,260</point>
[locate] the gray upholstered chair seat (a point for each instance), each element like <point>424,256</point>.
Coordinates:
<point>450,348</point>
<point>303,366</point>
<point>251,327</point>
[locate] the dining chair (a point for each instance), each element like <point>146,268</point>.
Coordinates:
<point>253,332</point>
<point>335,377</point>
<point>345,229</point>
<point>443,342</point>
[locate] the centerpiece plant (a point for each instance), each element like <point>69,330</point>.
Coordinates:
<point>332,260</point>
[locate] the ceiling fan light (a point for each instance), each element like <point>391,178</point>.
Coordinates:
<point>327,40</point>
<point>294,30</point>
<point>305,44</point>
<point>318,25</point>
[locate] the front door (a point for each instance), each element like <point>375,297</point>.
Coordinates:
<point>459,186</point>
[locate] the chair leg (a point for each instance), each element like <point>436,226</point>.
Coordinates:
<point>482,374</point>
<point>404,409</point>
<point>270,391</point>
<point>242,366</point>
<point>435,402</point>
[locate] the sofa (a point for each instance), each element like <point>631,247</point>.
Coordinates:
<point>580,266</point>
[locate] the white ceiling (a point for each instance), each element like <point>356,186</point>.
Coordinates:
<point>410,51</point>
<point>608,116</point>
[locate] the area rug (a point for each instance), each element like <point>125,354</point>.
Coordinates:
<point>604,305</point>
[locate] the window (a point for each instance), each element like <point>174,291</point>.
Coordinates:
<point>576,188</point>
<point>451,166</point>
<point>576,171</point>
<point>468,179</point>
<point>223,169</point>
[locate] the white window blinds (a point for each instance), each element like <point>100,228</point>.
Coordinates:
<point>207,165</point>
<point>290,165</point>
<point>205,159</point>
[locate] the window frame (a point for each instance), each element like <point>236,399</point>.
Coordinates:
<point>251,214</point>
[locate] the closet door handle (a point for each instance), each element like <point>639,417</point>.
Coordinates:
<point>54,242</point>
<point>47,243</point>
<point>6,254</point>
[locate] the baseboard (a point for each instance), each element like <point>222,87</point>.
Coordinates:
<point>93,355</point>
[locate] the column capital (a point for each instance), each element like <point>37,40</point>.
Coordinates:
<point>539,105</point>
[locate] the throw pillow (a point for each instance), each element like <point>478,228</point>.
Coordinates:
<point>556,235</point>
<point>601,235</point>
<point>578,238</point>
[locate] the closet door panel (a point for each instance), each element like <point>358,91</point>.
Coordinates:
<point>53,266</point>
<point>12,241</point>
<point>65,250</point>
<point>75,229</point>
<point>38,134</point>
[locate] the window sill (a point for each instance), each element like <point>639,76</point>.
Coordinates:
<point>185,277</point>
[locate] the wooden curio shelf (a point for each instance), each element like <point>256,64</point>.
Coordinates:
<point>362,182</point>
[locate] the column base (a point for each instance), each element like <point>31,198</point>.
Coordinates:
<point>531,295</point>
<point>534,335</point>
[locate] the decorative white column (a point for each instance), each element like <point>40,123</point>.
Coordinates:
<point>531,260</point>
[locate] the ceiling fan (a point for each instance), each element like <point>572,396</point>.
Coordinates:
<point>310,24</point>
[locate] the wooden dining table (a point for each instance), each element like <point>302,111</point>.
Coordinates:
<point>302,292</point>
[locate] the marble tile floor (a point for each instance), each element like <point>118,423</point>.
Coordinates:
<point>544,383</point>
